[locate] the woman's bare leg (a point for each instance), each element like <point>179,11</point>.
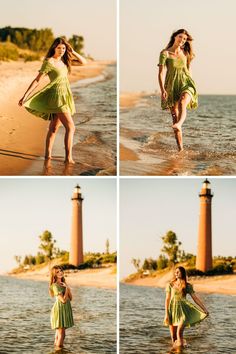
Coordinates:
<point>68,123</point>
<point>56,337</point>
<point>178,133</point>
<point>52,130</point>
<point>183,102</point>
<point>180,335</point>
<point>61,337</point>
<point>173,333</point>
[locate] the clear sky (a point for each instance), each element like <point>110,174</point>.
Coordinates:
<point>95,20</point>
<point>145,29</point>
<point>151,207</point>
<point>29,206</point>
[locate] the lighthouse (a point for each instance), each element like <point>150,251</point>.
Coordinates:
<point>204,253</point>
<point>76,251</point>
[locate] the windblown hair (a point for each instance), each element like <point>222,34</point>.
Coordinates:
<point>183,280</point>
<point>53,277</point>
<point>67,57</point>
<point>187,48</point>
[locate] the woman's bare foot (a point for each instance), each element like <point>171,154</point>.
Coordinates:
<point>180,343</point>
<point>70,161</point>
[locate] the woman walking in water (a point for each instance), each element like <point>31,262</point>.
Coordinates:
<point>55,102</point>
<point>178,90</point>
<point>61,314</point>
<point>179,312</point>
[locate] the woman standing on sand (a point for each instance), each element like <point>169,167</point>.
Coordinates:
<point>61,314</point>
<point>179,312</point>
<point>178,90</point>
<point>55,102</point>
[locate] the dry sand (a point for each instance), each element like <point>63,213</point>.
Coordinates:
<point>130,99</point>
<point>22,136</point>
<point>220,284</point>
<point>101,277</point>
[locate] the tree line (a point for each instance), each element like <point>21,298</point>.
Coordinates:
<point>36,40</point>
<point>49,251</point>
<point>172,255</point>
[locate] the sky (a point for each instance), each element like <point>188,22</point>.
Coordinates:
<point>29,206</point>
<point>145,29</point>
<point>150,207</point>
<point>95,20</point>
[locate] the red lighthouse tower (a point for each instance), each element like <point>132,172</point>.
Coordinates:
<point>76,252</point>
<point>204,253</point>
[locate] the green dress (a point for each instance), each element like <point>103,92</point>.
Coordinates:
<point>56,97</point>
<point>177,81</point>
<point>180,310</point>
<point>61,314</point>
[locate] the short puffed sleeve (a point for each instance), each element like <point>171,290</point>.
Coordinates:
<point>168,288</point>
<point>162,58</point>
<point>56,289</point>
<point>45,68</point>
<point>189,289</point>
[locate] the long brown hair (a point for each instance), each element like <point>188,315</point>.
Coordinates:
<point>67,57</point>
<point>53,277</point>
<point>187,48</point>
<point>183,280</point>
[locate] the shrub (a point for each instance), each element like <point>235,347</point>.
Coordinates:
<point>8,51</point>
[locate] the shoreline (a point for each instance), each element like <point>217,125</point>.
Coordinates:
<point>100,278</point>
<point>217,284</point>
<point>16,152</point>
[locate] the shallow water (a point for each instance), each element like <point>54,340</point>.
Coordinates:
<point>142,331</point>
<point>25,319</point>
<point>209,138</point>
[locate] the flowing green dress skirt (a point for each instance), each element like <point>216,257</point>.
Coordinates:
<point>177,81</point>
<point>56,97</point>
<point>181,311</point>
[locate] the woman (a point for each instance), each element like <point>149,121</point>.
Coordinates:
<point>178,90</point>
<point>55,102</point>
<point>179,312</point>
<point>61,314</point>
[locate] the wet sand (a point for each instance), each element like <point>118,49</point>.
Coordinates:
<point>22,135</point>
<point>219,284</point>
<point>101,277</point>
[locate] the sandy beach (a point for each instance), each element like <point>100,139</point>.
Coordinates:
<point>101,277</point>
<point>22,135</point>
<point>218,284</point>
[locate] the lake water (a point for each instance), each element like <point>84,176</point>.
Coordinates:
<point>25,319</point>
<point>209,135</point>
<point>142,331</point>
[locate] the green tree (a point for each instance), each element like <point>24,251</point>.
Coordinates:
<point>47,244</point>
<point>162,262</point>
<point>149,264</point>
<point>40,258</point>
<point>77,43</point>
<point>136,263</point>
<point>18,260</point>
<point>171,247</point>
<point>26,261</point>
